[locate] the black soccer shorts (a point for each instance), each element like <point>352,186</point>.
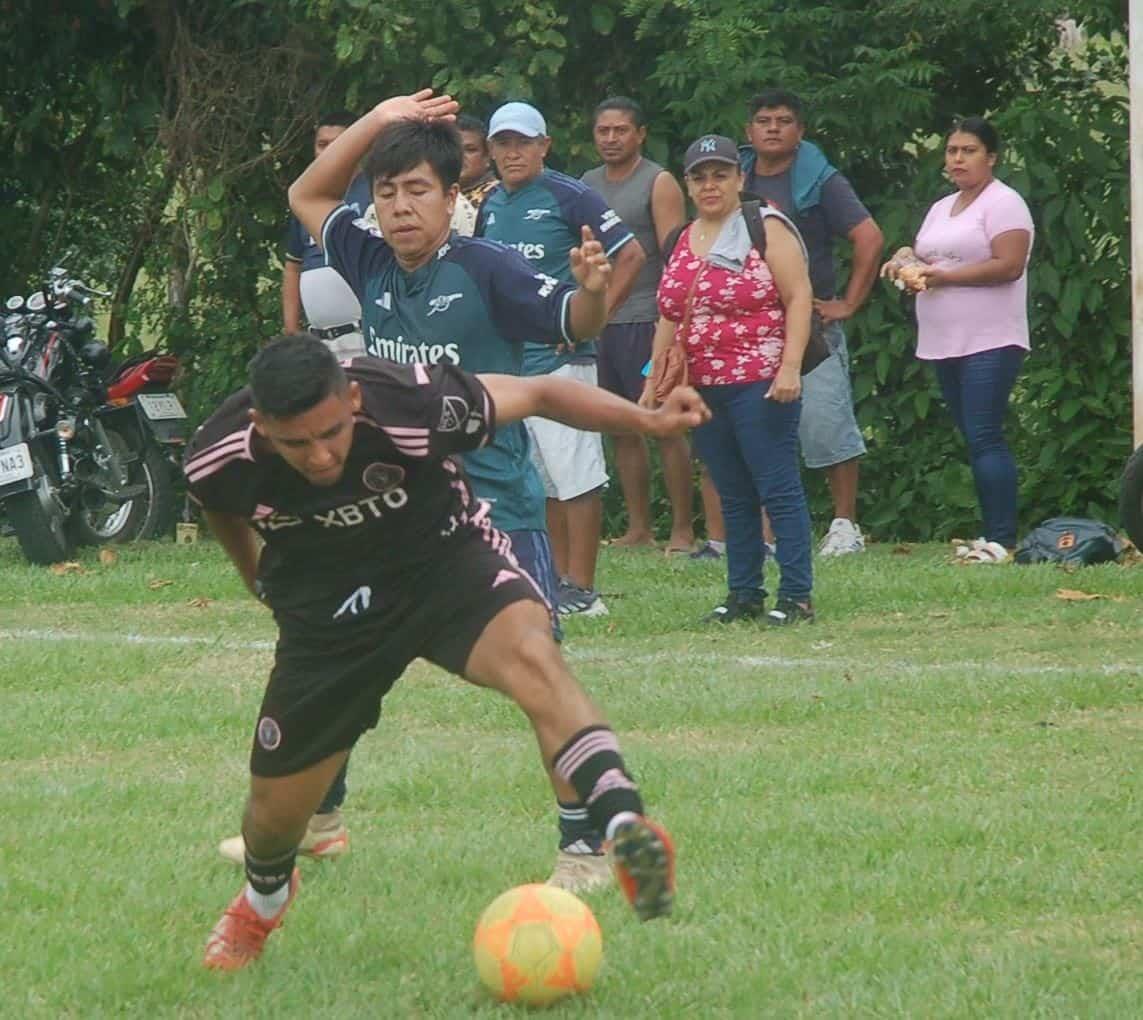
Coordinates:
<point>340,649</point>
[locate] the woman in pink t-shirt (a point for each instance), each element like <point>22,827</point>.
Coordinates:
<point>969,269</point>
<point>743,323</point>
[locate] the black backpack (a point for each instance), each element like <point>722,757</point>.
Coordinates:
<point>817,349</point>
<point>1076,541</point>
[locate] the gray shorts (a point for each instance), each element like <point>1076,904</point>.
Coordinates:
<point>624,348</point>
<point>828,432</point>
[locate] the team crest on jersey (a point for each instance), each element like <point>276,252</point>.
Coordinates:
<point>442,302</point>
<point>453,414</point>
<point>537,214</point>
<point>269,734</point>
<point>378,477</point>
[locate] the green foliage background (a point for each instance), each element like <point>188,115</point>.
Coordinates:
<point>157,137</point>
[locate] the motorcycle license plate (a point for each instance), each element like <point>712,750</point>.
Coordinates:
<point>161,406</point>
<point>15,464</point>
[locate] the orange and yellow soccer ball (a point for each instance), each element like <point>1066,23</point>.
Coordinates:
<point>535,944</point>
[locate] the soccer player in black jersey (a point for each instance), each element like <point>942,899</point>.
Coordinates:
<point>373,539</point>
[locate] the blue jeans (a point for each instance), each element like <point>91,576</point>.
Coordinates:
<point>976,388</point>
<point>750,447</point>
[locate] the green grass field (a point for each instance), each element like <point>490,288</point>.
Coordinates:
<point>927,804</point>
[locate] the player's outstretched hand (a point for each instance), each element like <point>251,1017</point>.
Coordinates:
<point>683,409</point>
<point>421,105</point>
<point>589,263</point>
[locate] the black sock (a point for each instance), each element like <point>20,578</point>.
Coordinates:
<point>576,827</point>
<point>591,762</point>
<point>268,876</point>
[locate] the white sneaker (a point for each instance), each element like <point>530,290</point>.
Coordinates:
<point>576,601</point>
<point>982,551</point>
<point>580,873</point>
<point>843,537</point>
<point>326,838</point>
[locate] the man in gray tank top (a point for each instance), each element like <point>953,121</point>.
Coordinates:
<point>650,202</point>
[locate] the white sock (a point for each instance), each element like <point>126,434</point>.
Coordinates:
<point>267,905</point>
<point>719,547</point>
<point>618,820</point>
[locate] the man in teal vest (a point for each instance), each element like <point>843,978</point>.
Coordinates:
<point>794,175</point>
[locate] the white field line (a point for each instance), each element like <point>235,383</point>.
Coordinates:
<point>863,666</point>
<point>603,657</point>
<point>23,634</point>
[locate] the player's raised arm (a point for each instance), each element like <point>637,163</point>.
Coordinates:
<point>589,407</point>
<point>319,190</point>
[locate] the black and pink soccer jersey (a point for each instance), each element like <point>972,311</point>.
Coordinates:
<point>400,496</point>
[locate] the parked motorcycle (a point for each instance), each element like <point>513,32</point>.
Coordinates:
<point>88,451</point>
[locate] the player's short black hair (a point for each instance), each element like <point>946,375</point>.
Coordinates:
<point>769,99</point>
<point>293,373</point>
<point>407,143</point>
<point>467,122</point>
<point>624,105</point>
<point>988,135</point>
<point>335,118</point>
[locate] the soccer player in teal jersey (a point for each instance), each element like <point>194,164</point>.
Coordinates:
<point>431,297</point>
<point>541,214</point>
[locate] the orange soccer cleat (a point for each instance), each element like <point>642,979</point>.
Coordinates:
<point>241,932</point>
<point>644,859</point>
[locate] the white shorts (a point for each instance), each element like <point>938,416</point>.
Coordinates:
<point>569,461</point>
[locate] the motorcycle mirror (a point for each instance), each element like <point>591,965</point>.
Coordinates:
<point>36,302</point>
<point>14,303</point>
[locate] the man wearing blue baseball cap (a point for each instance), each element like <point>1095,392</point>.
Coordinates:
<point>544,214</point>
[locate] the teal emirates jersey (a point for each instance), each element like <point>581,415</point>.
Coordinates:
<point>473,304</point>
<point>543,221</point>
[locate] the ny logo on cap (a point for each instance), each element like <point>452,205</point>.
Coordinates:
<point>708,145</point>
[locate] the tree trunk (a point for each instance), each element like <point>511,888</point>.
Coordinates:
<point>152,217</point>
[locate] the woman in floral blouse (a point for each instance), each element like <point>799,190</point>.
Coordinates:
<point>743,323</point>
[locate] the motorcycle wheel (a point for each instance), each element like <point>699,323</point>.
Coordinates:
<point>1131,498</point>
<point>39,519</point>
<point>151,515</point>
